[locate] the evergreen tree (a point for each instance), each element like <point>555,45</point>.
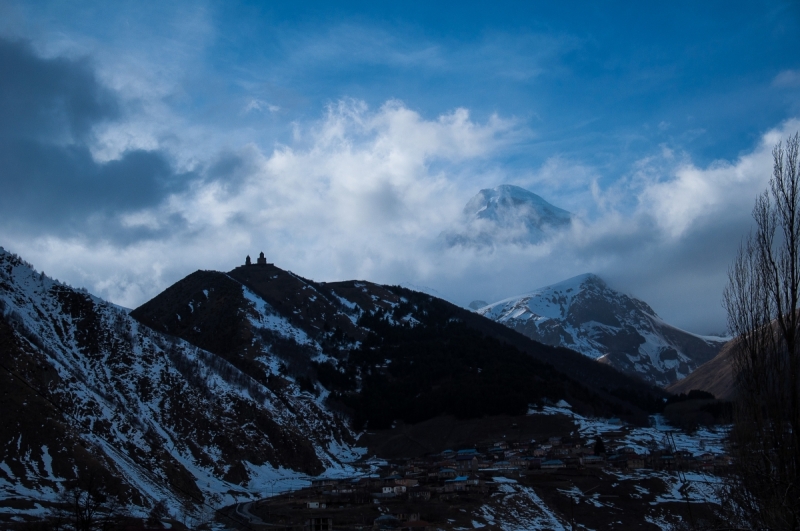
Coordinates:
<point>599,446</point>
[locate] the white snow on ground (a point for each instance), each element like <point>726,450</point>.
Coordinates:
<point>578,496</point>
<point>272,363</point>
<point>515,507</point>
<point>558,307</point>
<point>265,316</point>
<point>112,416</point>
<point>642,440</point>
<point>550,302</point>
<point>683,486</point>
<point>376,462</point>
<point>699,488</point>
<point>345,453</point>
<point>350,305</point>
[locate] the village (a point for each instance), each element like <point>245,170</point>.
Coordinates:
<point>443,490</point>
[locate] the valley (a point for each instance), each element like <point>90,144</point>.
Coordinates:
<point>230,386</point>
<point>645,478</point>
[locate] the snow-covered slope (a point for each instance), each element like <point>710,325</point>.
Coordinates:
<point>89,390</point>
<point>585,315</point>
<point>507,214</point>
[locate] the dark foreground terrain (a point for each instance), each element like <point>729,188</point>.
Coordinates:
<point>546,470</point>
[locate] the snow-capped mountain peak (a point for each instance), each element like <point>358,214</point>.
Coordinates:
<point>507,214</point>
<point>506,203</point>
<point>582,313</point>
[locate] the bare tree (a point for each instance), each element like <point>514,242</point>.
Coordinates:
<point>762,299</point>
<point>88,506</point>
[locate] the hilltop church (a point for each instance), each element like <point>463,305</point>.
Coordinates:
<point>261,260</point>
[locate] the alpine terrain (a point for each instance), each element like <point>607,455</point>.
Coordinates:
<point>378,353</point>
<point>507,214</point>
<point>229,385</point>
<point>584,314</point>
<point>89,392</point>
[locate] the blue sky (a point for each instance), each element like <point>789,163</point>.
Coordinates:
<point>144,141</point>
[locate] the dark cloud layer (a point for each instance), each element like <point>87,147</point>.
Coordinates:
<point>49,180</point>
<point>49,99</point>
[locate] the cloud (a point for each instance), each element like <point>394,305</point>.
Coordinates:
<point>358,44</point>
<point>357,196</point>
<point>356,178</point>
<point>49,100</point>
<point>49,180</point>
<point>260,105</point>
<point>567,183</point>
<point>126,202</point>
<point>787,79</point>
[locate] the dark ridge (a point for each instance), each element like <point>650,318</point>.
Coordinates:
<point>212,322</point>
<point>452,362</point>
<point>308,305</point>
<point>588,372</point>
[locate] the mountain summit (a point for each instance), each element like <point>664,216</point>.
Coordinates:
<point>584,314</point>
<point>507,214</point>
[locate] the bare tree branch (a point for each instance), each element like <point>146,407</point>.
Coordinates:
<point>761,300</point>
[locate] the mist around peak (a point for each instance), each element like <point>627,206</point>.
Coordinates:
<point>506,214</point>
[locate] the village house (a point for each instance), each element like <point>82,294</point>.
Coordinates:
<point>315,505</point>
<point>318,524</point>
<point>593,461</point>
<point>552,464</point>
<point>504,465</point>
<point>386,521</point>
<point>522,462</point>
<point>545,448</point>
<point>466,463</point>
<point>420,494</point>
<point>323,482</point>
<point>447,473</point>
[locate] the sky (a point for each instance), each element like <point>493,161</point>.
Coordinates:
<point>141,141</point>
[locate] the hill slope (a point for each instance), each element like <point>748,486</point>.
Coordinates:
<point>714,376</point>
<point>387,353</point>
<point>89,390</point>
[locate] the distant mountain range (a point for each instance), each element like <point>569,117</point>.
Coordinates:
<point>506,214</point>
<point>585,315</point>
